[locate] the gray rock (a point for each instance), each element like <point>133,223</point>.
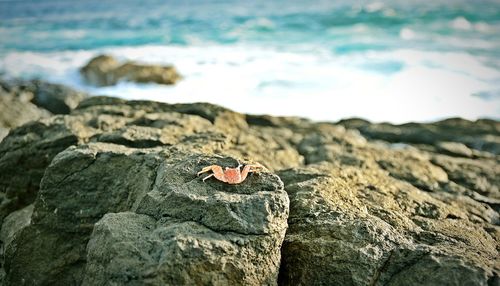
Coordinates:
<point>361,227</point>
<point>15,112</point>
<point>104,70</point>
<point>483,134</point>
<point>28,150</point>
<point>99,71</point>
<point>158,183</point>
<point>482,176</point>
<point>455,149</point>
<point>14,223</point>
<point>120,201</point>
<point>24,101</point>
<point>25,154</point>
<point>133,249</point>
<point>3,133</point>
<point>55,98</point>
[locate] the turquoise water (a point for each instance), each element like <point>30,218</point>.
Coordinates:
<point>385,61</point>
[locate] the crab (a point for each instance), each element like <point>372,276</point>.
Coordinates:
<point>231,175</point>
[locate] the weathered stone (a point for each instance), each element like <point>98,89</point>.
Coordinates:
<point>104,70</point>
<point>143,73</point>
<point>15,112</point>
<point>350,226</point>
<point>121,203</point>
<point>52,249</point>
<point>3,133</point>
<point>24,155</point>
<point>56,98</point>
<point>481,176</point>
<point>133,249</point>
<point>14,223</point>
<point>413,167</point>
<point>483,134</point>
<point>247,222</point>
<point>99,71</point>
<point>455,149</point>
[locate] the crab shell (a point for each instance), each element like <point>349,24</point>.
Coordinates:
<point>231,175</point>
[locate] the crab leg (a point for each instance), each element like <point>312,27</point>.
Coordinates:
<point>217,172</point>
<point>211,175</point>
<point>254,168</point>
<point>206,169</point>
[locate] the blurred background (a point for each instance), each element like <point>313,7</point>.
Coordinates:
<point>395,61</point>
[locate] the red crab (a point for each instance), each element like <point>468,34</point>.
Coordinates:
<point>231,175</point>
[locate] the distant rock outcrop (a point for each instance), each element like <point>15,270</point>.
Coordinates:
<point>109,195</point>
<point>105,70</point>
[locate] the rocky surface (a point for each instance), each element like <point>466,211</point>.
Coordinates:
<point>22,101</point>
<point>105,70</point>
<point>450,135</point>
<point>16,111</point>
<point>55,98</point>
<point>109,195</point>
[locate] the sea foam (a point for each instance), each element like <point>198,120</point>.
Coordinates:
<point>396,86</point>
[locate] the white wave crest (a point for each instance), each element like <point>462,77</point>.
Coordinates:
<point>423,85</point>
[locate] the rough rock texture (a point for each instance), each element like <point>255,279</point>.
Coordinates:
<point>15,111</point>
<point>208,232</point>
<point>117,201</point>
<point>243,225</point>
<point>3,132</point>
<point>479,135</point>
<point>56,98</point>
<point>12,225</point>
<point>24,101</point>
<point>105,70</point>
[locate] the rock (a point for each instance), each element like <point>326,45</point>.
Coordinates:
<point>14,223</point>
<point>3,133</point>
<point>480,176</point>
<point>455,149</point>
<point>142,73</point>
<point>187,230</point>
<point>56,98</point>
<point>99,71</point>
<point>28,150</point>
<point>362,227</point>
<point>15,112</point>
<point>105,70</point>
<point>483,134</point>
<point>24,101</point>
<point>411,166</point>
<point>26,153</point>
<point>117,201</point>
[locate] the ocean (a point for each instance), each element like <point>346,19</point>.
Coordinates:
<point>395,61</point>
